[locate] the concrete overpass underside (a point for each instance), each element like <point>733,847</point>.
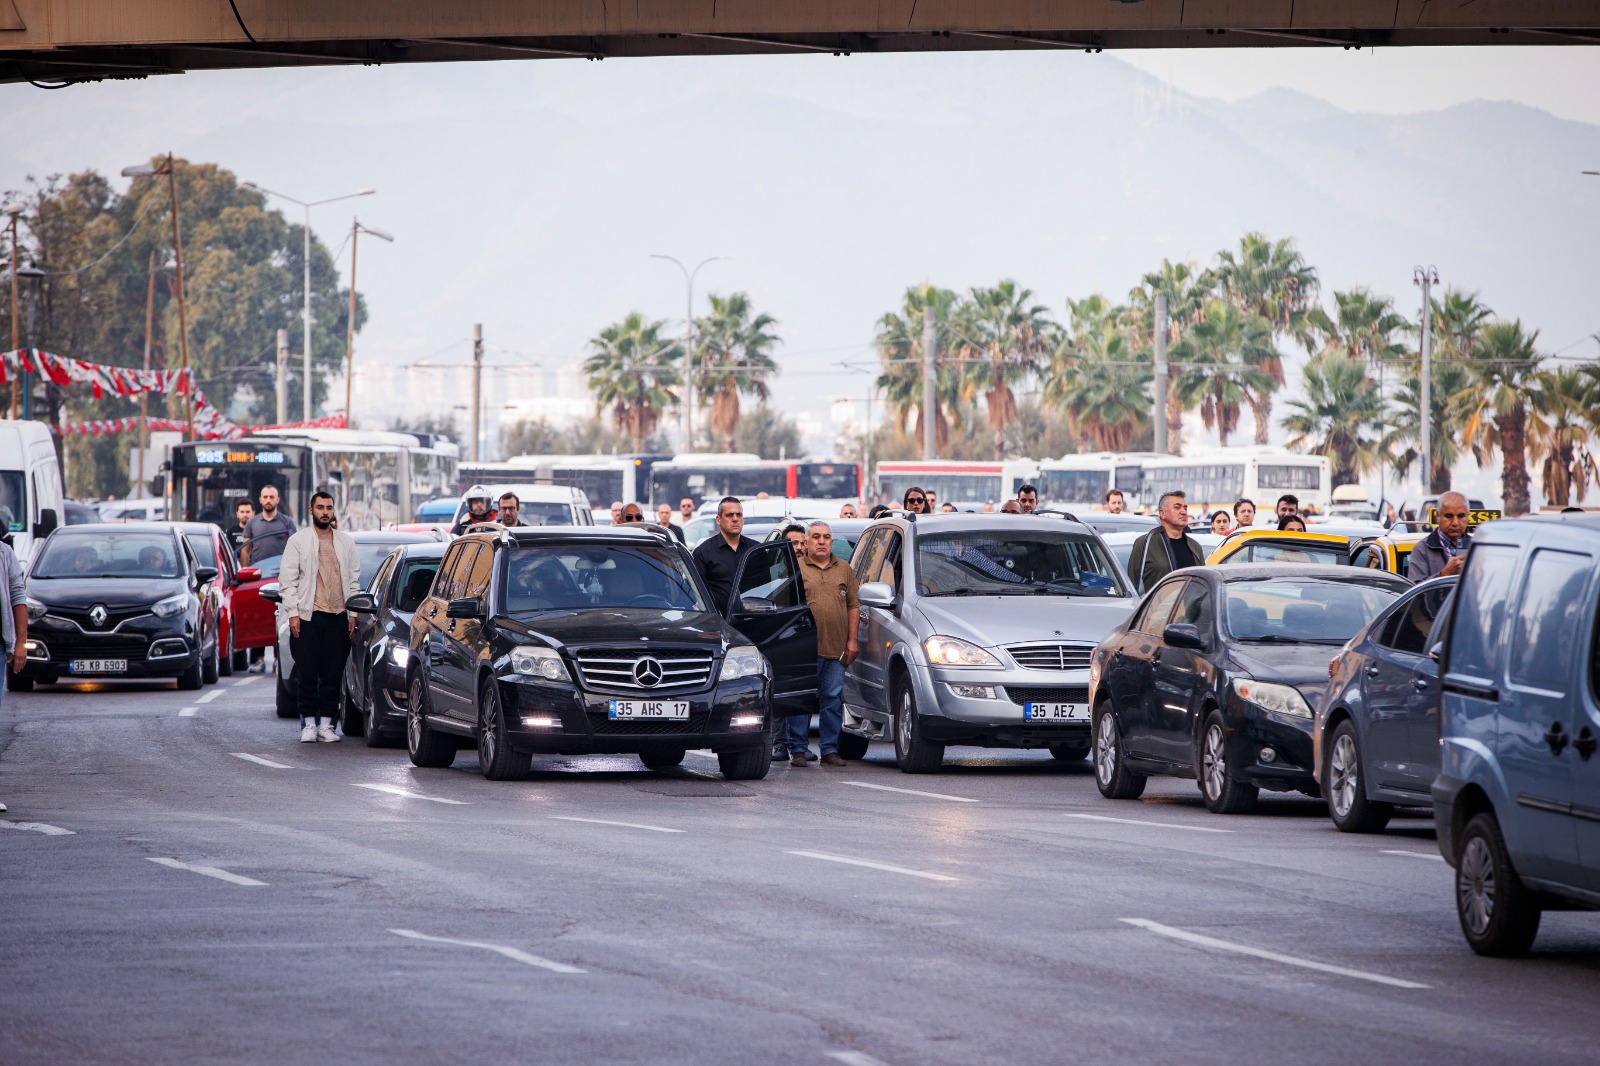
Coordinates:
<point>51,42</point>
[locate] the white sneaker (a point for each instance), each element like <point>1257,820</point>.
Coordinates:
<point>308,735</point>
<point>2,808</point>
<point>326,734</point>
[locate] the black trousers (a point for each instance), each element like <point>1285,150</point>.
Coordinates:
<point>319,653</point>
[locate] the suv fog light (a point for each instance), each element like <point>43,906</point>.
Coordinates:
<point>973,692</point>
<point>37,650</point>
<point>743,720</point>
<point>168,649</point>
<point>540,723</point>
<point>1269,755</point>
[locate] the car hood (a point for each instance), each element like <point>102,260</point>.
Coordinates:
<point>114,592</point>
<point>1305,666</point>
<point>989,621</point>
<point>621,626</point>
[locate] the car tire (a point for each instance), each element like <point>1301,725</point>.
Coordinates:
<point>351,720</point>
<point>427,747</point>
<point>1223,793</point>
<point>663,759</point>
<point>1111,773</point>
<point>1070,752</point>
<point>286,705</point>
<point>192,678</point>
<point>751,764</point>
<point>853,745</point>
<point>372,723</point>
<point>914,753</point>
<point>1344,778</point>
<point>495,757</point>
<point>18,683</point>
<point>1498,915</point>
<point>211,667</point>
<point>225,658</point>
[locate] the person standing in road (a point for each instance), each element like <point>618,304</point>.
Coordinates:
<point>13,613</point>
<point>717,558</point>
<point>1115,503</point>
<point>1028,499</point>
<point>915,501</point>
<point>242,513</point>
<point>1244,513</point>
<point>616,512</point>
<point>686,509</point>
<point>320,572</point>
<point>1443,552</point>
<point>847,511</point>
<point>1166,548</point>
<point>266,534</point>
<point>1288,504</point>
<point>664,520</point>
<point>510,509</point>
<point>831,592</point>
<point>478,510</point>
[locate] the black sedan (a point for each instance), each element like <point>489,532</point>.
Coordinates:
<point>1377,730</point>
<point>1215,676</point>
<point>119,601</point>
<point>375,674</point>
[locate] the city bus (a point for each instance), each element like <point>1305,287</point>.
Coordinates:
<point>957,481</point>
<point>375,478</point>
<point>705,477</point>
<point>1083,480</point>
<point>602,478</point>
<point>1215,480</point>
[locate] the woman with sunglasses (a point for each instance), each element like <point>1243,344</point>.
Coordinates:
<point>916,501</point>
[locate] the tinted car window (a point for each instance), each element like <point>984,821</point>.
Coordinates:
<point>1194,608</point>
<point>136,555</point>
<point>1304,610</point>
<point>567,577</point>
<point>1551,613</point>
<point>1026,563</point>
<point>1279,553</point>
<point>770,577</point>
<point>1159,608</point>
<point>1482,611</point>
<point>414,582</point>
<point>1408,631</point>
<point>456,566</point>
<point>380,578</point>
<point>204,548</point>
<point>867,556</point>
<point>889,568</point>
<point>477,581</point>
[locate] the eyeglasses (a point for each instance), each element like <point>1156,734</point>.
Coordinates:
<point>633,518</point>
<point>916,499</point>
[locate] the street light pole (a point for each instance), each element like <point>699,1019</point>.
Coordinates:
<point>307,205</point>
<point>144,394</point>
<point>1427,278</point>
<point>688,342</point>
<point>356,229</point>
<point>13,211</point>
<point>145,170</point>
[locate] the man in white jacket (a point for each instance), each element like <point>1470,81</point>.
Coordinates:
<point>320,571</point>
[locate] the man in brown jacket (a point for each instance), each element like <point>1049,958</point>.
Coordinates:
<point>831,594</point>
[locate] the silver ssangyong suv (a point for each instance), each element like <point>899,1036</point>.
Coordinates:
<point>977,629</point>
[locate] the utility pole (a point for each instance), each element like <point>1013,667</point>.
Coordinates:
<point>283,376</point>
<point>144,394</point>
<point>16,342</point>
<point>1427,278</point>
<point>930,338</point>
<point>477,383</point>
<point>356,230</point>
<point>1158,419</point>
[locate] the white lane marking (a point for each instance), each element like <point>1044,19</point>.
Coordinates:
<point>703,754</point>
<point>1270,956</point>
<point>1415,855</point>
<point>854,1058</point>
<point>624,825</point>
<point>910,792</point>
<point>245,680</point>
<point>510,953</point>
<point>873,865</point>
<point>210,871</point>
<point>188,712</point>
<point>396,790</point>
<point>259,761</point>
<point>209,696</point>
<point>37,827</point>
<point>1135,821</point>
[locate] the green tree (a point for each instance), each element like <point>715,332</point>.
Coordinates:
<point>1504,382</point>
<point>1363,326</point>
<point>769,434</point>
<point>1187,289</point>
<point>898,340</point>
<point>633,371</point>
<point>1006,339</point>
<point>733,358</point>
<point>1220,361</point>
<point>540,436</point>
<point>1097,383</point>
<point>1450,384</point>
<point>1560,433</point>
<point>1270,279</point>
<point>1342,416</point>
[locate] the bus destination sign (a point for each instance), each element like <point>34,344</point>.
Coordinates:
<point>229,456</point>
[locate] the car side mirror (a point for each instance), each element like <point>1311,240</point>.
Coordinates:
<point>1436,652</point>
<point>204,574</point>
<point>755,605</point>
<point>465,607</point>
<point>876,594</point>
<point>248,573</point>
<point>48,521</point>
<point>362,603</point>
<point>1183,635</point>
<point>272,592</point>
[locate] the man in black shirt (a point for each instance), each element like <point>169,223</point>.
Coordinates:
<point>717,558</point>
<point>235,533</point>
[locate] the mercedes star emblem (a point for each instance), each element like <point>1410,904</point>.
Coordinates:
<point>98,614</point>
<point>647,672</point>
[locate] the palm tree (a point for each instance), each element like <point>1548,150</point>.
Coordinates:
<point>1097,382</point>
<point>632,372</point>
<point>1220,362</point>
<point>733,356</point>
<point>1187,289</point>
<point>1559,429</point>
<point>899,344</point>
<point>1342,416</point>
<point>1457,320</point>
<point>1008,338</point>
<point>1364,326</point>
<point>1504,382</point>
<point>1450,380</point>
<point>1273,280</point>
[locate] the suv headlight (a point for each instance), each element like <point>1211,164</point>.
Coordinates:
<point>1280,699</point>
<point>172,605</point>
<point>543,663</point>
<point>36,609</point>
<point>953,651</point>
<point>744,661</point>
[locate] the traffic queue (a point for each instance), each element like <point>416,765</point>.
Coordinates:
<point>1274,664</point>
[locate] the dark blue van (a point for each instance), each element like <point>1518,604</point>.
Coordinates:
<point>1517,799</point>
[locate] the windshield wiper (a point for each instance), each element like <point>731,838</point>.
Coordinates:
<point>1276,638</point>
<point>986,592</point>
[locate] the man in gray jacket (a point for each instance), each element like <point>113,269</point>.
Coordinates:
<point>1166,548</point>
<point>320,572</point>
<point>13,613</point>
<point>1442,552</point>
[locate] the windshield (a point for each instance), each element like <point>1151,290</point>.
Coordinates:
<point>139,555</point>
<point>997,562</point>
<point>1305,611</point>
<point>573,577</point>
<point>1311,552</point>
<point>371,554</point>
<point>13,506</point>
<point>826,481</point>
<point>533,513</point>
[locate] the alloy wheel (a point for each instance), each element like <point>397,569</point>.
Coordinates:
<point>1214,763</point>
<point>1344,774</point>
<point>414,717</point>
<point>904,725</point>
<point>488,731</point>
<point>1475,885</point>
<point>1105,750</point>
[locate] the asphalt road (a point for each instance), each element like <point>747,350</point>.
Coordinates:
<point>197,886</point>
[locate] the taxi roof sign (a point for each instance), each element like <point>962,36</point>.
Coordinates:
<point>1476,516</point>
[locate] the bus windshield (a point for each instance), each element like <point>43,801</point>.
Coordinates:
<point>826,481</point>
<point>210,480</point>
<point>669,484</point>
<point>1073,486</point>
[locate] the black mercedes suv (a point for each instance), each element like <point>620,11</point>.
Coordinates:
<point>585,640</point>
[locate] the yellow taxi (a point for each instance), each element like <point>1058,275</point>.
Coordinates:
<point>1390,552</point>
<point>1281,546</point>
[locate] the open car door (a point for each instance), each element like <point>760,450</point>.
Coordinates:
<point>768,606</point>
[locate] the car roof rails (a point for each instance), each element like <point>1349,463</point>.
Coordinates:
<point>899,512</point>
<point>1065,515</point>
<point>484,527</point>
